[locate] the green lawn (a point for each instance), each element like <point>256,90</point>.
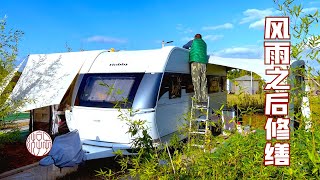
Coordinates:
<point>17,116</point>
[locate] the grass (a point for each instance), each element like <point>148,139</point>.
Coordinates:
<point>252,102</point>
<point>12,125</point>
<point>245,100</point>
<point>10,137</point>
<point>238,157</point>
<point>315,109</point>
<point>10,121</point>
<point>17,116</point>
<point>257,120</point>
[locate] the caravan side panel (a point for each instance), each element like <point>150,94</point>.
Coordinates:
<point>172,105</point>
<point>178,61</point>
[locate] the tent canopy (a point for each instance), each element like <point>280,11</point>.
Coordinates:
<point>46,77</point>
<point>254,65</point>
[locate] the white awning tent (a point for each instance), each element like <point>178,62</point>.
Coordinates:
<point>47,77</point>
<point>254,65</point>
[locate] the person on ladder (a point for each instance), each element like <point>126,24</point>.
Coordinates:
<point>199,60</point>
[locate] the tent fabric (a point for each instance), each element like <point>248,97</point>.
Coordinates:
<point>46,78</point>
<point>66,151</point>
<point>254,65</point>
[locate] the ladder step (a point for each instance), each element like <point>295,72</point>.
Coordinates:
<point>195,132</point>
<point>201,122</point>
<point>200,108</point>
<point>201,119</point>
<point>197,145</point>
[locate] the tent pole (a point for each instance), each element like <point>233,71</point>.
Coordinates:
<point>251,84</point>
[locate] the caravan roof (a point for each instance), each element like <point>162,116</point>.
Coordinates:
<point>149,61</point>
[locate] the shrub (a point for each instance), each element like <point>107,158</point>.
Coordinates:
<point>10,137</point>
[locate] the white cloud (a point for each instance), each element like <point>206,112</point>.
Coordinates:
<point>212,37</point>
<point>179,26</point>
<point>257,24</point>
<point>309,10</point>
<point>188,30</point>
<point>256,17</point>
<point>241,52</point>
<point>105,39</point>
<point>183,29</point>
<point>255,14</point>
<point>222,26</point>
<point>314,2</point>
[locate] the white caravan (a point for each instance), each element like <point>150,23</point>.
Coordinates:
<point>157,83</point>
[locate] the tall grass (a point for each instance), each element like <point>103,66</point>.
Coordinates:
<point>315,109</point>
<point>246,100</point>
<point>257,101</point>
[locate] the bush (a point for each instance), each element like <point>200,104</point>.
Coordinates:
<point>244,101</point>
<point>10,137</point>
<point>240,157</point>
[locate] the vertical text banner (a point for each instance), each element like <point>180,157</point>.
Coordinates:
<point>277,58</point>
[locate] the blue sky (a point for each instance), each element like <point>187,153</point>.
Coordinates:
<point>231,28</point>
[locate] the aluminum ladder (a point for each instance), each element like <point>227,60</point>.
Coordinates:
<point>198,122</point>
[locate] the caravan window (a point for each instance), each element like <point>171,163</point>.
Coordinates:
<point>213,84</point>
<point>107,90</point>
<point>223,83</point>
<point>187,83</point>
<point>173,84</point>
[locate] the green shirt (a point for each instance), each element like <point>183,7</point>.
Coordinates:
<point>198,52</point>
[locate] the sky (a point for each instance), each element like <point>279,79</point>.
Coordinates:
<point>231,28</point>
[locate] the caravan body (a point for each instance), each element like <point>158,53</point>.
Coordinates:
<point>155,84</point>
<point>158,86</point>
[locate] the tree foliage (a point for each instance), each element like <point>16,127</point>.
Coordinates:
<point>235,73</point>
<point>303,28</point>
<point>9,41</point>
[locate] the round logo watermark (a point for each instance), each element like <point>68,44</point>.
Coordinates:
<point>39,143</point>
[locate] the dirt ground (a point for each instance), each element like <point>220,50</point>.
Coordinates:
<point>89,168</point>
<point>15,155</point>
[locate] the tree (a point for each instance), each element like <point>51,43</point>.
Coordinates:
<point>235,73</point>
<point>305,43</point>
<point>9,41</point>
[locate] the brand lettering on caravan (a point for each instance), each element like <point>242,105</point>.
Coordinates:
<point>118,64</point>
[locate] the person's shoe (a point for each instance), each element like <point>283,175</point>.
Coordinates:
<point>204,104</point>
<point>198,106</point>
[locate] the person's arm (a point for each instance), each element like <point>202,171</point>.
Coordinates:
<point>188,45</point>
